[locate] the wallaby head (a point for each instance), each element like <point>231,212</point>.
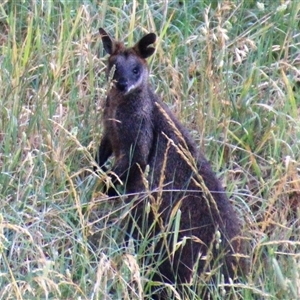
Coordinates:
<point>131,71</point>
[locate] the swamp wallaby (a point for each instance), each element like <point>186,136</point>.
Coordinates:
<point>178,184</point>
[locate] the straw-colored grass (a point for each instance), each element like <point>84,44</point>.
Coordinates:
<point>229,71</point>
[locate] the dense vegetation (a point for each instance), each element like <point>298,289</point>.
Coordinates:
<point>230,72</point>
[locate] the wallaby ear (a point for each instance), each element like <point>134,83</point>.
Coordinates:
<point>108,42</point>
<point>142,46</point>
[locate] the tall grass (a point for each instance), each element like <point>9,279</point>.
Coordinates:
<point>230,72</point>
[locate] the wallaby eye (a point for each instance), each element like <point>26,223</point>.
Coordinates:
<point>135,70</point>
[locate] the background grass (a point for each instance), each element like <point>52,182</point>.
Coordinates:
<point>230,72</point>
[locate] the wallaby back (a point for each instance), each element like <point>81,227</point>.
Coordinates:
<point>140,131</point>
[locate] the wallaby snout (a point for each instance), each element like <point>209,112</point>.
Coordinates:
<point>122,84</point>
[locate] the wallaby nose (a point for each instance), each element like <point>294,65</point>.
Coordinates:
<point>122,84</point>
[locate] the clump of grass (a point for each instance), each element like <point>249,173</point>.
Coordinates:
<point>230,72</point>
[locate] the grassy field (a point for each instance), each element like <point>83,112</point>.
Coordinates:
<point>231,73</point>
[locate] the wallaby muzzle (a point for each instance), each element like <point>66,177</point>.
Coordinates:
<point>122,84</point>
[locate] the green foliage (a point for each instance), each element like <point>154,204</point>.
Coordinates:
<point>228,69</point>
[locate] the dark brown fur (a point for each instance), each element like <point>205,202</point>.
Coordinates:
<point>140,130</point>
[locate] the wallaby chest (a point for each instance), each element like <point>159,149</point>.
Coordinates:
<point>125,118</point>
